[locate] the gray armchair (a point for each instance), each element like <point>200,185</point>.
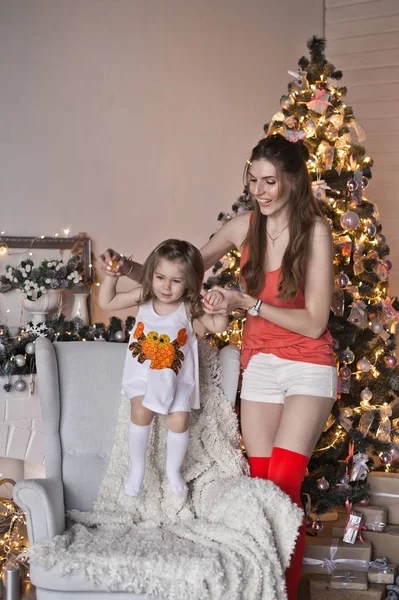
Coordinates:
<point>76,384</point>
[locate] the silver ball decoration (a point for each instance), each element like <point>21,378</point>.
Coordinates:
<point>323,484</point>
<point>386,458</point>
<point>345,373</point>
<point>363,365</point>
<point>366,394</point>
<point>348,356</point>
<point>30,348</point>
<point>349,220</point>
<point>376,327</point>
<point>19,385</point>
<point>370,229</point>
<point>119,336</point>
<point>342,280</point>
<point>287,101</point>
<point>391,361</point>
<point>381,239</point>
<point>20,360</point>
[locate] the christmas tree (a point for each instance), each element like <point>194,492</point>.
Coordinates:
<point>362,432</point>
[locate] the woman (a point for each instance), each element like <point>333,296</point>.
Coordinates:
<point>289,379</point>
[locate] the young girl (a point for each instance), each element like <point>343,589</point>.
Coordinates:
<point>161,366</point>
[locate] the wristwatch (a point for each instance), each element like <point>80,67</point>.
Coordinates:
<point>255,310</point>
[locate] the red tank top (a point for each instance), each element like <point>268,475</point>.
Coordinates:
<point>260,335</point>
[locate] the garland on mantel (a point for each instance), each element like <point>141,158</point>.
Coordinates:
<point>17,353</point>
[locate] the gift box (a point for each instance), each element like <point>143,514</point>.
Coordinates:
<point>384,543</point>
<point>384,491</point>
<point>325,555</point>
<point>381,571</point>
<point>374,517</point>
<point>320,589</point>
<point>349,580</point>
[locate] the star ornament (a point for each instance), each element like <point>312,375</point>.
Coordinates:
<point>319,102</point>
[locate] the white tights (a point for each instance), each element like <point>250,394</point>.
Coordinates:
<point>177,444</point>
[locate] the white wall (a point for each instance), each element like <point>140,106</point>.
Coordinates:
<point>363,41</point>
<point>132,120</point>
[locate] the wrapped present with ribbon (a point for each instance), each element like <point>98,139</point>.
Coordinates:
<point>320,589</point>
<point>383,543</point>
<point>349,580</point>
<point>384,491</point>
<point>382,571</point>
<point>353,527</point>
<point>374,517</point>
<point>326,555</point>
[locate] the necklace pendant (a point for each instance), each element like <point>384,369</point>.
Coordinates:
<point>273,243</point>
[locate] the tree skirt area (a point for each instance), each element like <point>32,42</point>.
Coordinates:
<point>231,539</point>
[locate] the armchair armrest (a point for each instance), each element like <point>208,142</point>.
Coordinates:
<point>43,502</point>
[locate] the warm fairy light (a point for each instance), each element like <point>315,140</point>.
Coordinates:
<point>66,232</point>
<point>56,235</point>
<point>98,284</point>
<point>42,237</point>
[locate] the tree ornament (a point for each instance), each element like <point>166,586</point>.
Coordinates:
<point>366,394</point>
<point>370,229</point>
<point>323,484</point>
<point>387,264</point>
<point>352,185</point>
<point>364,501</point>
<point>308,522</point>
<point>310,128</point>
<point>345,373</point>
<point>7,387</point>
<point>287,101</point>
<point>119,336</point>
<point>359,246</point>
<point>386,458</point>
<point>391,361</point>
<point>317,525</point>
<point>342,280</point>
<point>30,348</point>
<point>348,356</point>
<point>376,327</point>
<point>381,239</point>
<point>363,365</point>
<point>320,101</point>
<point>331,134</point>
<point>365,182</point>
<point>349,220</point>
<point>20,360</point>
<point>19,385</point>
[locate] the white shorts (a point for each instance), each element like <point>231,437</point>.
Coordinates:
<point>269,378</point>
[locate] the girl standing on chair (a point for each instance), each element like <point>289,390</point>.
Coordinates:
<point>289,380</point>
<point>161,366</point>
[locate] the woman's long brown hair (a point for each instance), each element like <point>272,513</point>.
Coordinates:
<point>190,259</point>
<point>289,160</point>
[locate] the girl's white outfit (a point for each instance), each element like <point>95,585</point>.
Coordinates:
<point>162,361</point>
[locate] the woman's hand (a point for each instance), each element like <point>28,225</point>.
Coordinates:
<point>232,299</point>
<point>113,263</point>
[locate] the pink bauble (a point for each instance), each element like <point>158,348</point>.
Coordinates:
<point>345,373</point>
<point>308,522</point>
<point>317,525</point>
<point>387,264</point>
<point>364,501</point>
<point>386,458</point>
<point>391,361</point>
<point>350,220</point>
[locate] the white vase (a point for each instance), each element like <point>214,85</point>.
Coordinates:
<point>79,307</point>
<point>42,306</point>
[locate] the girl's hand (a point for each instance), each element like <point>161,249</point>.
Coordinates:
<point>232,299</point>
<point>213,297</point>
<point>112,263</point>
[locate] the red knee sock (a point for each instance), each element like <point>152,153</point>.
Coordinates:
<point>287,470</point>
<point>259,466</point>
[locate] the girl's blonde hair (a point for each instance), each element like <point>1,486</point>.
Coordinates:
<point>289,160</point>
<point>190,259</point>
